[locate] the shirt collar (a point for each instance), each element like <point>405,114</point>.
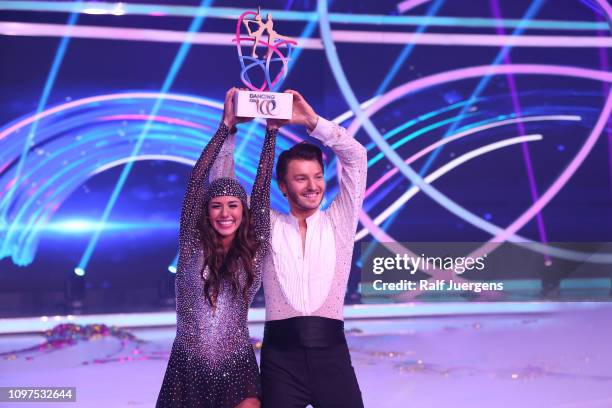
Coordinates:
<point>309,220</point>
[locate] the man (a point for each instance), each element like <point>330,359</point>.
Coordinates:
<point>305,358</point>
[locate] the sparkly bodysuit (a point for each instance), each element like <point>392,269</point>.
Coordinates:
<point>212,363</point>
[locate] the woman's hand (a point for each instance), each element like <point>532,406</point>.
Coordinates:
<point>229,112</point>
<point>276,123</point>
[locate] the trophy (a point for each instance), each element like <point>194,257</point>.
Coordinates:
<point>262,101</point>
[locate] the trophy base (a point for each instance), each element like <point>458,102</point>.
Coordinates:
<point>254,104</point>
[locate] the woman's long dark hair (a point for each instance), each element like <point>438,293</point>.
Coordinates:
<point>225,266</point>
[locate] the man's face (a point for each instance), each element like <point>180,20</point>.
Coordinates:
<point>303,185</point>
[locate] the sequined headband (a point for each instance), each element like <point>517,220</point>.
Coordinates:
<point>225,186</point>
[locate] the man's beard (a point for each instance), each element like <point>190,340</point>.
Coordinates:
<point>301,203</point>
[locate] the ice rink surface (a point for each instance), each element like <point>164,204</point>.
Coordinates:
<point>552,359</point>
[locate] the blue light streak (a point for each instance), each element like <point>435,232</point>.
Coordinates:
<point>483,83</point>
<point>194,27</point>
<point>408,48</point>
<point>161,10</point>
<point>55,66</point>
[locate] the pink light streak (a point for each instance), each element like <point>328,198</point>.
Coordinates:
<point>104,98</point>
<point>471,72</point>
<point>556,186</point>
<point>603,118</point>
<point>410,4</point>
<point>460,135</point>
<point>129,34</point>
<point>533,188</point>
<point>10,184</point>
<point>478,71</point>
<point>487,40</point>
<point>128,95</point>
<point>344,36</point>
<point>163,119</point>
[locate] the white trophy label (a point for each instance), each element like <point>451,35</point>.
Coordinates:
<point>253,104</point>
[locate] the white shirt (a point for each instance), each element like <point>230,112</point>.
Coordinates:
<point>305,276</point>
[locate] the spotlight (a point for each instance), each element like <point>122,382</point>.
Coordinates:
<point>74,290</point>
<point>166,287</point>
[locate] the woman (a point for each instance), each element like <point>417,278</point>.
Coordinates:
<point>222,243</point>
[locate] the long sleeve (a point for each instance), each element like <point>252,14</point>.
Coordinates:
<point>260,196</point>
<point>352,157</point>
<point>224,164</point>
<point>192,209</point>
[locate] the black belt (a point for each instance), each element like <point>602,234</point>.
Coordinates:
<point>304,331</point>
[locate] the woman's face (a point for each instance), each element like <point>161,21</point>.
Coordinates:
<point>225,215</point>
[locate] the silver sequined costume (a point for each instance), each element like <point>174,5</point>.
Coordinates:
<point>212,363</point>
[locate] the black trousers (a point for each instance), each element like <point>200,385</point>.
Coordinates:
<point>305,360</point>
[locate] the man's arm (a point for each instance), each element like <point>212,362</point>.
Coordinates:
<point>352,157</point>
<point>353,160</point>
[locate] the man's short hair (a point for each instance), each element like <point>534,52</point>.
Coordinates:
<point>301,151</point>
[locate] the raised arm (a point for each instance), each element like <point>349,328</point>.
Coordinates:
<point>260,196</point>
<point>352,157</point>
<point>192,209</point>
<point>224,165</point>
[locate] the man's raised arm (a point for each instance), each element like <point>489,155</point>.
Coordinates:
<point>353,160</point>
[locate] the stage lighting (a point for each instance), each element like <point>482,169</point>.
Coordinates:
<point>166,287</point>
<point>74,290</point>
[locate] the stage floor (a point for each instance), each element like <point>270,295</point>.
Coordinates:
<point>542,359</point>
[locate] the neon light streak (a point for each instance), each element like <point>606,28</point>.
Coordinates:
<point>128,95</point>
<point>484,82</point>
<point>603,59</point>
<point>407,49</point>
<point>156,10</point>
<point>399,62</point>
<point>162,119</point>
<point>455,75</point>
<point>78,226</point>
<point>194,27</point>
<point>173,266</point>
<point>459,135</point>
<point>51,195</point>
<point>409,5</point>
<point>533,189</point>
<point>55,66</point>
<point>414,135</point>
<point>445,169</point>
<point>343,36</point>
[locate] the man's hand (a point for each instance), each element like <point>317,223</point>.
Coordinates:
<point>229,113</point>
<point>302,114</point>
